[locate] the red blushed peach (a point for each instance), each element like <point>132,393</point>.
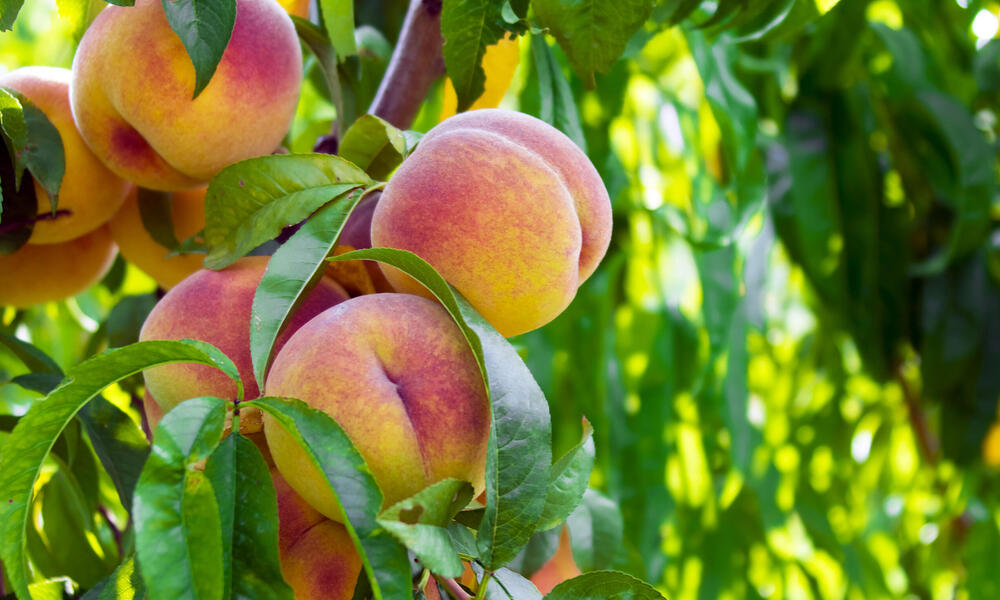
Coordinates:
<point>89,191</point>
<point>215,307</point>
<point>506,208</point>
<point>133,84</point>
<point>38,273</point>
<point>187,212</point>
<point>318,558</point>
<point>395,372</point>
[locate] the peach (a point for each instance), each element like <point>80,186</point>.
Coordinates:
<point>139,248</point>
<point>506,208</point>
<point>318,558</point>
<point>396,373</point>
<point>89,191</point>
<point>215,306</point>
<point>133,84</point>
<point>37,273</point>
<point>559,568</point>
<point>297,8</point>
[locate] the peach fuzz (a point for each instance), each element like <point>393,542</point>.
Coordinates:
<point>133,84</point>
<point>37,273</point>
<point>88,190</point>
<point>318,558</point>
<point>506,208</point>
<point>215,307</point>
<point>395,372</point>
<point>187,211</point>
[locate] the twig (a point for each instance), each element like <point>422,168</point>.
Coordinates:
<point>929,445</point>
<point>417,62</point>
<point>483,584</point>
<point>138,405</point>
<point>454,590</point>
<point>45,216</point>
<point>114,529</point>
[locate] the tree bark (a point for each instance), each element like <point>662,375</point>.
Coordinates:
<point>417,62</point>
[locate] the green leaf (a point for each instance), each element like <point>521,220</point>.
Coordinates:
<point>420,522</point>
<point>505,584</point>
<point>119,443</point>
<point>550,94</point>
<point>604,585</point>
<point>33,358</point>
<point>568,480</point>
<point>126,318</point>
<point>468,27</point>
<point>292,271</point>
<point>519,453</point>
<point>36,432</point>
<point>178,533</point>
<point>8,13</point>
<point>42,383</point>
<point>204,27</point>
<point>251,201</point>
<point>593,34</point>
<point>358,496</point>
<point>374,145</point>
<point>124,583</point>
<point>15,130</point>
<point>595,531</point>
<point>540,549</point>
<point>155,209</point>
<point>220,470</point>
<point>256,566</point>
<point>319,43</point>
<point>338,17</point>
<point>43,153</point>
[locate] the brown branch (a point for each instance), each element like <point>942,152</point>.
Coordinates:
<point>929,445</point>
<point>45,216</point>
<point>454,590</point>
<point>417,62</point>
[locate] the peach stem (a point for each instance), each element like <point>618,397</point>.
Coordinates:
<point>453,588</point>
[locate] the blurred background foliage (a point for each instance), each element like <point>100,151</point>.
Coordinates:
<point>790,355</point>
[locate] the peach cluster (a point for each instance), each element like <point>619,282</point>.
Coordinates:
<point>127,116</point>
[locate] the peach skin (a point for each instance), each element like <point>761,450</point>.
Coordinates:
<point>187,211</point>
<point>559,568</point>
<point>133,84</point>
<point>318,558</point>
<point>215,306</point>
<point>506,208</point>
<point>396,374</point>
<point>37,273</point>
<point>89,191</point>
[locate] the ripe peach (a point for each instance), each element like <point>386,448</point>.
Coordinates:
<point>89,190</point>
<point>395,372</point>
<point>215,306</point>
<point>559,568</point>
<point>133,84</point>
<point>318,558</point>
<point>38,273</point>
<point>139,248</point>
<point>506,208</point>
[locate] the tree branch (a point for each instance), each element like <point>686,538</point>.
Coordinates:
<point>929,445</point>
<point>417,62</point>
<point>453,588</point>
<point>45,216</point>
